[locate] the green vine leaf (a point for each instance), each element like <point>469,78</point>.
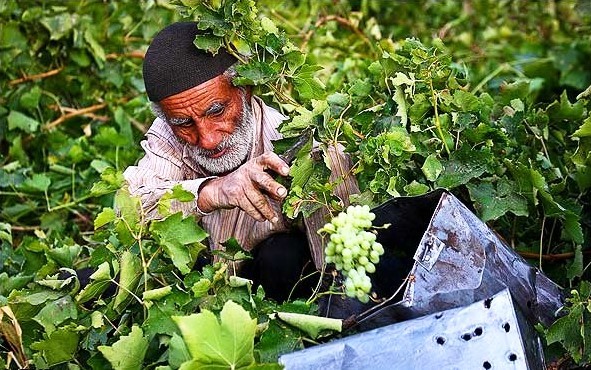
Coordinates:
<point>177,353</point>
<point>312,325</point>
<point>55,313</point>
<point>307,84</point>
<point>20,120</point>
<point>38,183</point>
<point>585,129</point>
<point>432,167</point>
<point>495,200</point>
<point>224,343</point>
<point>129,277</point>
<point>254,73</point>
<point>573,331</point>
<point>464,165</point>
<point>60,346</point>
<point>106,216</point>
<point>178,194</point>
<point>180,238</point>
<point>100,281</point>
<point>128,352</point>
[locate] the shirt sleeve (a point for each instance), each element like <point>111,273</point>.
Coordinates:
<point>160,170</point>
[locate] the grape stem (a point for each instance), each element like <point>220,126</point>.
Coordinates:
<point>371,312</point>
<point>302,278</point>
<point>315,294</point>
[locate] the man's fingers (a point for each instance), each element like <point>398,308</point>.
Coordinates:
<point>261,203</point>
<point>251,210</point>
<point>256,205</point>
<point>266,183</point>
<point>271,161</point>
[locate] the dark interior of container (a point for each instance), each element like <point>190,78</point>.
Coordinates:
<point>409,218</point>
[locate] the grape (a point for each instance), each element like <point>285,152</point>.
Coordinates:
<point>362,260</point>
<point>353,249</point>
<point>374,256</point>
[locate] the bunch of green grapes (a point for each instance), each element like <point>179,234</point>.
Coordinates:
<point>353,250</point>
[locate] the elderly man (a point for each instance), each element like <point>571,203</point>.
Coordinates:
<point>214,139</point>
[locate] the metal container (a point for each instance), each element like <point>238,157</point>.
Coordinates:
<point>488,334</point>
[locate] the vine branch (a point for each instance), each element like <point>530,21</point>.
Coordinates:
<point>132,54</point>
<point>77,112</point>
<point>72,110</point>
<point>551,256</point>
<point>341,21</point>
<point>38,76</point>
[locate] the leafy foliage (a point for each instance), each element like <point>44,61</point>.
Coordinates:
<point>488,99</point>
<point>128,352</point>
<point>573,330</point>
<point>232,344</point>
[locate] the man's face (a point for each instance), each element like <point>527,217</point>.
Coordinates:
<point>215,120</point>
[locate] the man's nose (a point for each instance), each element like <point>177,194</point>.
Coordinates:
<point>207,137</point>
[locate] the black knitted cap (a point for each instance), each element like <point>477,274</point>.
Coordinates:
<point>174,64</point>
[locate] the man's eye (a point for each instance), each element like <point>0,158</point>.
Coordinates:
<point>216,110</point>
<point>180,122</point>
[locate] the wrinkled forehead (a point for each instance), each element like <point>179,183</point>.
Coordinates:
<point>209,97</point>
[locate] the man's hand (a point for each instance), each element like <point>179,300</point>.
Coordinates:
<point>246,187</point>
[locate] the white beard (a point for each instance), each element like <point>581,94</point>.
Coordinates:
<point>237,145</point>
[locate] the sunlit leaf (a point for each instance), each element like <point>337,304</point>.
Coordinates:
<point>311,324</point>
<point>180,238</point>
<point>209,42</point>
<point>432,167</point>
<point>585,129</point>
<point>401,103</point>
<point>106,216</point>
<point>307,84</point>
<point>59,25</point>
<point>129,277</point>
<point>156,294</point>
<point>254,73</point>
<point>128,352</point>
<point>6,232</point>
<point>97,50</point>
<point>19,120</point>
<point>65,255</point>
<point>226,342</point>
<point>38,183</point>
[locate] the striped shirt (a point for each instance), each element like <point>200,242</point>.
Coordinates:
<point>167,163</point>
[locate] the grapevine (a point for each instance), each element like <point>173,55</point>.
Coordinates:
<point>353,249</point>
